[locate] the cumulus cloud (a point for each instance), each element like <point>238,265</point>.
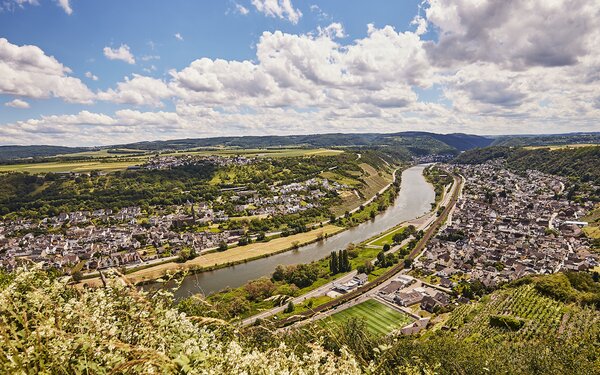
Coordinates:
<point>241,9</point>
<point>139,90</point>
<point>122,53</point>
<point>91,76</point>
<point>17,103</point>
<point>178,36</point>
<point>517,35</point>
<point>282,9</point>
<point>64,4</point>
<point>11,5</point>
<point>495,69</point>
<point>27,71</point>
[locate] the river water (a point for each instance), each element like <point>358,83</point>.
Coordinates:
<point>414,200</point>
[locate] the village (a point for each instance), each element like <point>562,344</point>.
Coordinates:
<point>95,240</point>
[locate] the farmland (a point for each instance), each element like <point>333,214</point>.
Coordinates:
<point>541,316</point>
<point>102,160</point>
<point>71,166</point>
<point>379,318</point>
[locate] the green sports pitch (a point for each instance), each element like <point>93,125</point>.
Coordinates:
<point>379,318</point>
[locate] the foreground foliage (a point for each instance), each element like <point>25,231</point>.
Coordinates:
<point>48,327</point>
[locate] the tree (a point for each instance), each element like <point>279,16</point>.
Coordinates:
<point>222,246</point>
<point>333,263</point>
<point>289,308</point>
<point>386,247</point>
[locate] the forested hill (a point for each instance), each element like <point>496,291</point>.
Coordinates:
<point>581,162</point>
<point>20,152</point>
<point>548,140</point>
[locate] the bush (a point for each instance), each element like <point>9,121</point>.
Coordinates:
<point>506,322</point>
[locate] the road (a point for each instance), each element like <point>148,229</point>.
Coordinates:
<point>423,223</point>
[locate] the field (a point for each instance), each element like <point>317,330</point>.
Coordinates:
<point>271,152</point>
<point>234,255</point>
<point>379,318</point>
<point>562,147</point>
<point>593,218</point>
<point>373,185</point>
<point>103,161</point>
<point>387,237</point>
<point>542,316</point>
<point>70,166</point>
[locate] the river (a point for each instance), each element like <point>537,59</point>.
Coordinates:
<point>414,200</point>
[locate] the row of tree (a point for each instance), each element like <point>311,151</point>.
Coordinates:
<point>339,262</point>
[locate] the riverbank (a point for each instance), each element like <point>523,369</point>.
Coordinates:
<point>236,255</point>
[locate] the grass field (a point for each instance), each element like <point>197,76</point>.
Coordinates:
<point>271,153</point>
<point>379,318</point>
<point>561,147</point>
<point>387,237</point>
<point>69,166</point>
<point>234,255</point>
<point>593,218</point>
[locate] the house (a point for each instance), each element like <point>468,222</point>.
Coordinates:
<point>408,298</point>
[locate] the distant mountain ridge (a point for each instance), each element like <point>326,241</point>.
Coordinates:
<point>415,142</point>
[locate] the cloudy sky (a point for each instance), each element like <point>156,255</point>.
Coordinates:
<point>76,72</point>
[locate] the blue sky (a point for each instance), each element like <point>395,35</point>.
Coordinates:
<point>106,71</point>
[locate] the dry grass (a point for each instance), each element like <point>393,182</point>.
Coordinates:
<point>237,254</point>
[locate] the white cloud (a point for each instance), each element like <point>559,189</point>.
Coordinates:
<point>278,8</point>
<point>11,5</point>
<point>17,103</point>
<point>91,76</point>
<point>178,36</point>
<point>27,71</point>
<point>150,57</point>
<point>241,9</point>
<point>64,4</point>
<point>479,76</point>
<point>139,90</point>
<point>334,30</point>
<point>122,53</point>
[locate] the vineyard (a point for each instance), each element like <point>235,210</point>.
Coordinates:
<point>542,317</point>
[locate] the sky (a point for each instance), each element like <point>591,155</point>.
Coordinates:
<point>86,73</point>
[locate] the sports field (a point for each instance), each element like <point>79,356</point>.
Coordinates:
<point>379,318</point>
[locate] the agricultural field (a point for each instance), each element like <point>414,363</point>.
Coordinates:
<point>593,218</point>
<point>71,166</point>
<point>104,153</point>
<point>374,181</point>
<point>379,318</point>
<point>539,315</point>
<point>270,153</point>
<point>562,147</point>
<point>102,160</point>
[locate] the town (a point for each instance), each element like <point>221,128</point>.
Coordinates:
<point>99,239</point>
<point>506,226</point>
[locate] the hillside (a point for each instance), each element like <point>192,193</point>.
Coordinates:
<point>49,327</point>
<point>548,140</point>
<point>581,163</point>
